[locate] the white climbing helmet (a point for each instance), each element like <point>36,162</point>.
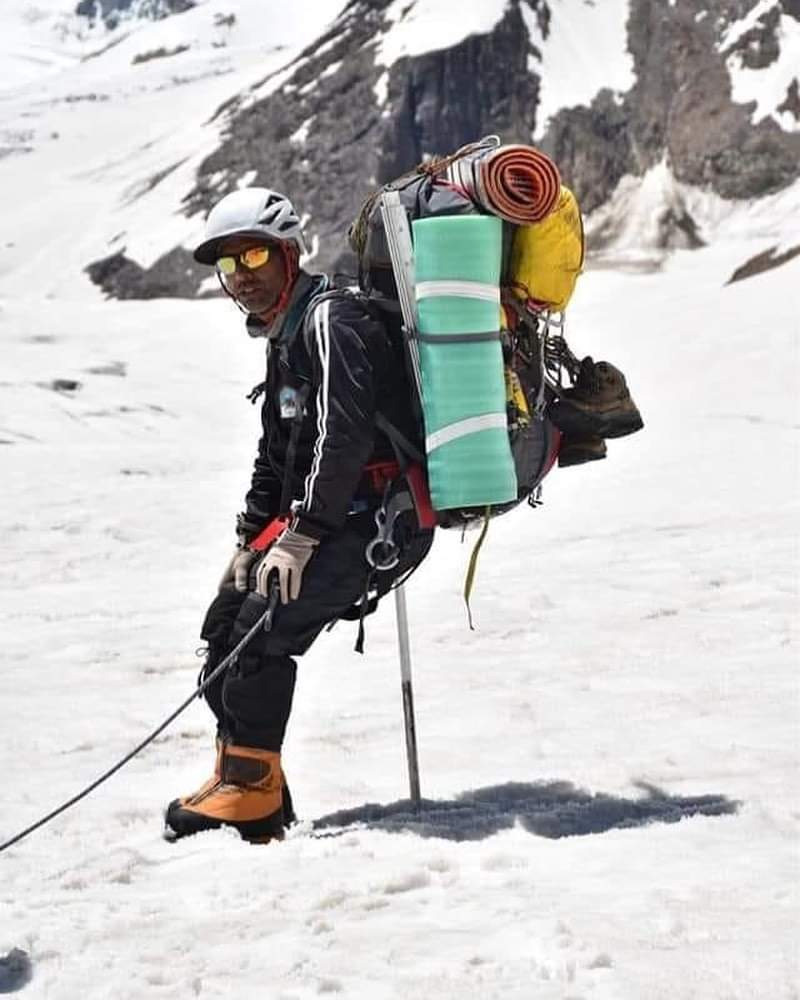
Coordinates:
<point>252,211</point>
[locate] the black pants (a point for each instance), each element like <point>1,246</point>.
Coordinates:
<point>253,697</point>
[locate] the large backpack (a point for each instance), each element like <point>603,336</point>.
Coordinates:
<point>541,262</point>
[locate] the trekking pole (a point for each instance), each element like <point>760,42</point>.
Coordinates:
<point>408,695</point>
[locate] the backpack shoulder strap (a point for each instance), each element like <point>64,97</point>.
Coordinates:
<point>404,450</point>
<point>330,294</point>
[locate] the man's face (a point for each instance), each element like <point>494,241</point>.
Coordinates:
<point>257,289</point>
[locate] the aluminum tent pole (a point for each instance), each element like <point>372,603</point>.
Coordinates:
<point>408,695</point>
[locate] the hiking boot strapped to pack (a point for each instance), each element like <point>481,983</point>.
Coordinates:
<point>597,405</point>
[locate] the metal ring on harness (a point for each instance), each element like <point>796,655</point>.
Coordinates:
<point>384,541</point>
<point>385,517</point>
<point>389,561</point>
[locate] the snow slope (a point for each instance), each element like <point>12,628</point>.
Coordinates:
<point>635,656</point>
<point>640,627</point>
<point>38,39</point>
<point>120,141</point>
<point>636,226</point>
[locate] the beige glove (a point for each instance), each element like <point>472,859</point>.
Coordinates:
<point>289,555</point>
<point>238,569</point>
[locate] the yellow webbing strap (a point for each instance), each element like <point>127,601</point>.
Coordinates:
<point>473,562</point>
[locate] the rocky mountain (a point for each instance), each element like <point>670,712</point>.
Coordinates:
<point>713,104</point>
<point>681,106</point>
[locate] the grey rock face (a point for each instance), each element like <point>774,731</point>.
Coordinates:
<point>759,46</point>
<point>680,108</point>
<point>593,148</point>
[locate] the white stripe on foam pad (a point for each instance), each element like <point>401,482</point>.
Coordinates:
<point>459,289</point>
<point>485,422</point>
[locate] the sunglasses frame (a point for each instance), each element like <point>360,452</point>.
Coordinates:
<point>240,259</point>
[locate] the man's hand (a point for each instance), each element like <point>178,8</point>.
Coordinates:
<point>289,555</point>
<point>238,569</point>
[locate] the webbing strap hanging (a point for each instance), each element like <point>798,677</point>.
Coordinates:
<point>473,563</point>
<point>364,609</point>
<point>257,391</point>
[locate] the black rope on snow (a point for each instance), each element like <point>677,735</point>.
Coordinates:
<point>265,622</point>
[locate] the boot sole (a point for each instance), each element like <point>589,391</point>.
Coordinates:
<point>581,425</point>
<point>180,822</point>
<point>580,458</point>
<point>622,427</point>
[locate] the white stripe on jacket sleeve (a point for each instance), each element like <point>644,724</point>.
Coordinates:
<point>322,338</point>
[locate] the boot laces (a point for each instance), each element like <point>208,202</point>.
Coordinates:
<point>589,377</point>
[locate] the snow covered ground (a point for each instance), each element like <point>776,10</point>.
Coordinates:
<point>640,628</point>
<point>635,657</point>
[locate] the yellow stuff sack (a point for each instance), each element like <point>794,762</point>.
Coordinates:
<point>547,256</point>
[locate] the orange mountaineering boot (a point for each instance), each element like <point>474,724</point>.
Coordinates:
<point>247,792</point>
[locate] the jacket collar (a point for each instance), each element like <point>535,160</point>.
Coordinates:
<point>285,325</point>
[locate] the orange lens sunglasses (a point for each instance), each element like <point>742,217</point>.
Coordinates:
<point>251,259</point>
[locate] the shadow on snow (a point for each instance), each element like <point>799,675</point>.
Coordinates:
<point>548,809</point>
<point>15,971</point>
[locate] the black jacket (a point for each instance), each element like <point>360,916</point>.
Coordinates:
<point>330,369</point>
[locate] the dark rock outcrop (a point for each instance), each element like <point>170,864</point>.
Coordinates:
<point>593,147</point>
<point>762,262</point>
<point>791,102</point>
<point>173,275</point>
<point>113,12</point>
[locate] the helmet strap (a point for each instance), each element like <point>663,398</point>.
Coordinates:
<point>291,265</point>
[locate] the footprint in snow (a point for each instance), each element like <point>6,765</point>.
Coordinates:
<point>407,883</point>
<point>117,368</point>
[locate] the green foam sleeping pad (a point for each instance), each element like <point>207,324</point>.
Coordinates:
<point>457,284</point>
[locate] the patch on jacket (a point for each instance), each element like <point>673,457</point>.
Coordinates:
<point>289,400</point>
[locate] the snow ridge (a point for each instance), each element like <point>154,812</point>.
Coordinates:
<point>428,25</point>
